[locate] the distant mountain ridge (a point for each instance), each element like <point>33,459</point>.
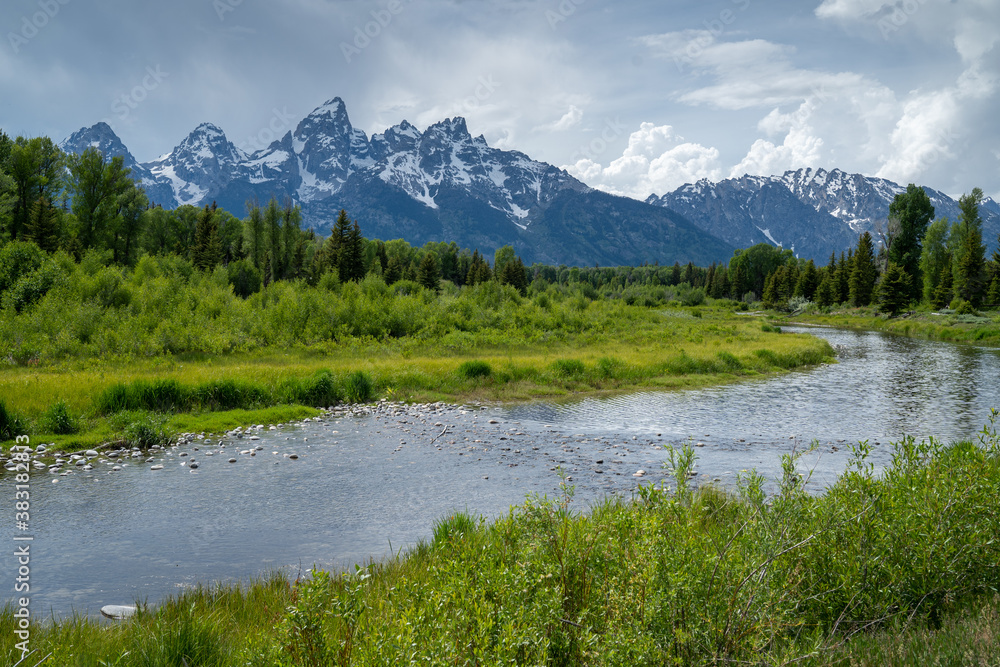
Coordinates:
<point>440,184</point>
<point>813,211</point>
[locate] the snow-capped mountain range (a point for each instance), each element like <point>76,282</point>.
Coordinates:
<point>443,184</point>
<point>813,211</point>
<point>440,184</point>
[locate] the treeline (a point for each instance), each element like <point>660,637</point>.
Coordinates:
<point>918,262</point>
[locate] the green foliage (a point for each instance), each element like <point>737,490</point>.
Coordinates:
<point>58,420</point>
<point>244,277</point>
<point>17,260</point>
<point>568,368</point>
<point>140,428</point>
<point>474,369</point>
<point>863,272</point>
<point>11,423</point>
<point>894,289</point>
<point>359,387</point>
<point>909,214</point>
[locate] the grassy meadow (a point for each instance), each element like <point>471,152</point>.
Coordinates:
<point>157,348</point>
<point>980,328</point>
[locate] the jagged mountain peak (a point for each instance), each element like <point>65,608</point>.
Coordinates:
<point>102,137</point>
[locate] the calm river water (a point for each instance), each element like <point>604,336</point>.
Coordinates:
<point>364,485</point>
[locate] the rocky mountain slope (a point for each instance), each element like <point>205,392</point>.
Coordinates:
<point>813,211</point>
<point>440,184</point>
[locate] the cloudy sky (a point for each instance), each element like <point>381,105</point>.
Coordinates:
<point>632,96</point>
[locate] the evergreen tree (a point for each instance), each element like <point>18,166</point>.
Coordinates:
<point>970,264</point>
<point>808,281</point>
<point>393,270</point>
<point>772,291</point>
<point>689,274</point>
<point>943,292</point>
<point>206,253</point>
<point>427,273</point>
<point>909,213</point>
<point>36,167</point>
<point>675,274</point>
<point>272,231</point>
<point>993,294</point>
<point>253,235</point>
<point>863,273</point>
<point>826,293</point>
<point>291,219</point>
<point>44,225</point>
<point>514,274</point>
<point>842,281</point>
<point>351,263</point>
<point>894,289</point>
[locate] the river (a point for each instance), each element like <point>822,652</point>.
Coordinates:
<point>344,489</point>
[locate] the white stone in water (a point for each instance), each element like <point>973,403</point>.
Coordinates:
<point>118,612</point>
<point>255,437</point>
<point>91,452</point>
<point>156,467</point>
<point>232,460</point>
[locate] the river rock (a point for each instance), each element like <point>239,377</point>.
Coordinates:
<point>156,467</point>
<point>118,612</point>
<point>91,453</point>
<point>232,460</point>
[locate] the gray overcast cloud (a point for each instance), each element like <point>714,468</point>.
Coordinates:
<point>633,97</point>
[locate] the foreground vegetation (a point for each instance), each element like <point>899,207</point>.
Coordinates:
<point>892,568</point>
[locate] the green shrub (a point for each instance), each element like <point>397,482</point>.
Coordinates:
<point>17,260</point>
<point>58,420</point>
<point>475,369</point>
<point>244,277</point>
<point>609,368</point>
<point>11,424</point>
<point>159,396</point>
<point>321,389</point>
<point>140,429</point>
<point>454,527</point>
<point>359,387</point>
<point>229,395</point>
<point>568,368</point>
<point>768,328</point>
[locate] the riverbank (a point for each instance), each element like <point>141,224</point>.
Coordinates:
<point>980,329</point>
<point>84,403</point>
<point>682,575</point>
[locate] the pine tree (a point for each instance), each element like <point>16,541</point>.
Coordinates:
<point>393,270</point>
<point>808,282</point>
<point>863,273</point>
<point>826,293</point>
<point>290,233</point>
<point>894,290</point>
<point>842,282</point>
<point>993,294</point>
<point>943,292</point>
<point>970,264</point>
<point>206,253</point>
<point>514,274</point>
<point>352,258</point>
<point>428,274</point>
<point>253,235</point>
<point>675,274</point>
<point>43,225</point>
